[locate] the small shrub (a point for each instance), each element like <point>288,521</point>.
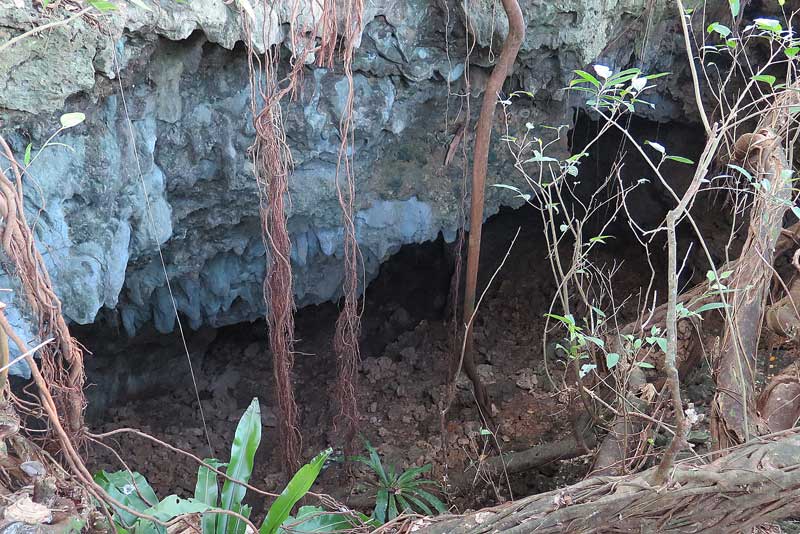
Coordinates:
<point>399,492</point>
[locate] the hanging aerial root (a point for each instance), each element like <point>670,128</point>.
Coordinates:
<point>348,325</point>
<point>62,361</point>
<point>272,163</point>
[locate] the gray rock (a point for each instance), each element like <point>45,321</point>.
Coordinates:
<point>160,169</point>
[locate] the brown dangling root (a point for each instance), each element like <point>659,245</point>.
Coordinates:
<point>62,361</point>
<point>348,325</point>
<point>272,164</point>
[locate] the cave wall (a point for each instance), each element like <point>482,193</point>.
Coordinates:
<point>176,78</point>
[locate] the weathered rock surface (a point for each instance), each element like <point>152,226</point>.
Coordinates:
<point>160,168</point>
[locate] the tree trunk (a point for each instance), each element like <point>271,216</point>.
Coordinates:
<point>754,484</point>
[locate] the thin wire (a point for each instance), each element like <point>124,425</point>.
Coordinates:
<point>158,246</point>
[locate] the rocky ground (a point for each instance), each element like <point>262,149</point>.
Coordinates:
<point>405,353</point>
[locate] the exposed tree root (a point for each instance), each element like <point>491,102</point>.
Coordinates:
<point>62,361</point>
<point>749,486</point>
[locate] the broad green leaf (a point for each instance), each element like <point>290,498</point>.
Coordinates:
<point>585,77</point>
<point>236,525</point>
<point>721,29</point>
<point>766,78</point>
<point>169,508</point>
<point>680,159</point>
<point>646,365</point>
<point>770,25</point>
<point>791,51</point>
<point>27,158</point>
<point>130,489</point>
<point>796,211</point>
<point>102,5</point>
<point>432,499</point>
<point>413,472</point>
<point>207,490</point>
<point>586,369</point>
<point>391,513</point>
<point>240,467</point>
<point>596,340</point>
<point>735,7</point>
<point>420,504</point>
<point>318,520</point>
<point>612,359</point>
<point>68,120</point>
<point>381,505</point>
<point>295,490</point>
<point>403,505</point>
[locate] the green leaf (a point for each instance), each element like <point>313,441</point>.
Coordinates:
<point>207,490</point>
<point>404,506</point>
<point>791,51</point>
<point>770,25</point>
<point>721,29</point>
<point>432,499</point>
<point>680,159</point>
<point>392,512</point>
<point>318,520</point>
<point>509,187</point>
<point>656,146</point>
<point>646,365</point>
<point>766,78</point>
<point>796,211</point>
<point>27,158</point>
<point>586,369</point>
<point>659,75</point>
<point>413,472</point>
<point>735,7</point>
<point>600,239</point>
<point>381,505</point>
<point>236,525</point>
<point>171,507</point>
<point>742,170</point>
<point>102,5</point>
<point>243,451</point>
<point>420,504</point>
<point>130,489</point>
<point>711,306</point>
<point>295,490</point>
<point>612,359</point>
<point>68,120</point>
<point>585,77</point>
<point>596,340</point>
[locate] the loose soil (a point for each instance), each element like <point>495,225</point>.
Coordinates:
<point>406,348</point>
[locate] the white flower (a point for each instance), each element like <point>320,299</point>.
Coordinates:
<point>602,71</point>
<point>637,84</point>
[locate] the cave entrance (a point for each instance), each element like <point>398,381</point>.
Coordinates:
<point>406,344</point>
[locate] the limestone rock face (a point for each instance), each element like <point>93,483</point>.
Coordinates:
<point>160,168</point>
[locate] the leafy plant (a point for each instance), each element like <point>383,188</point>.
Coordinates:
<point>132,490</point>
<point>399,492</point>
